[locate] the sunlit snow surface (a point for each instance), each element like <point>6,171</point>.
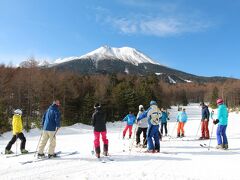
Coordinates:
<point>186,159</point>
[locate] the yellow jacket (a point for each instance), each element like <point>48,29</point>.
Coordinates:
<point>17,124</point>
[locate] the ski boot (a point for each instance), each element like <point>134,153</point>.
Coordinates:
<point>24,151</point>
<point>150,151</point>
<point>40,156</point>
<point>98,155</point>
<point>219,146</point>
<point>105,149</point>
<point>225,146</point>
<point>97,150</point>
<point>52,155</point>
<point>8,151</point>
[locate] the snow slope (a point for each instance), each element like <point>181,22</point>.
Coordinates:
<point>185,158</point>
<point>125,54</point>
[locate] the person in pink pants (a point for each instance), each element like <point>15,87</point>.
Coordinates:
<point>99,124</point>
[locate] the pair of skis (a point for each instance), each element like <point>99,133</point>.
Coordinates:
<point>16,155</point>
<point>59,154</point>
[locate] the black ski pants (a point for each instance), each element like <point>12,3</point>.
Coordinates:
<point>165,128</point>
<point>138,134</point>
<point>13,140</point>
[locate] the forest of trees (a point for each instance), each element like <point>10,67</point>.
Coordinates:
<point>33,89</point>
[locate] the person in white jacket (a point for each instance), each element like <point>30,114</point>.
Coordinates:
<point>142,128</point>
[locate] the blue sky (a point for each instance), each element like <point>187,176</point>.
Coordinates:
<point>199,37</point>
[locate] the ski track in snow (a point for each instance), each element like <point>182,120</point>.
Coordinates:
<point>185,158</point>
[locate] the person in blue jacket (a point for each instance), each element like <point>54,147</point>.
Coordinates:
<point>50,126</point>
<point>130,119</point>
<point>153,115</point>
<point>163,120</point>
<point>222,121</point>
<point>204,122</point>
<point>181,119</point>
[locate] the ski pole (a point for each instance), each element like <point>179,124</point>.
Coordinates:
<point>16,143</point>
<point>38,143</point>
<point>175,125</point>
<point>55,132</point>
<point>210,137</point>
<point>120,131</point>
<point>130,148</point>
<point>143,144</point>
<point>92,152</point>
<point>198,129</point>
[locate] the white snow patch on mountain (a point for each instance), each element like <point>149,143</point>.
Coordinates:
<point>59,61</point>
<point>171,80</point>
<point>126,70</point>
<point>188,81</point>
<point>126,54</point>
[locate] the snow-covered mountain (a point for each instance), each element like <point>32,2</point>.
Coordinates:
<point>125,60</point>
<point>126,54</point>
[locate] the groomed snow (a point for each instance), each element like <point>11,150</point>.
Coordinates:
<point>186,159</point>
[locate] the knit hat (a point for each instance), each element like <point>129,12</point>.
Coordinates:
<point>219,101</point>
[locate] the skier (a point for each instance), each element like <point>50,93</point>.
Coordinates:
<point>153,115</point>
<point>163,120</point>
<point>142,127</point>
<point>17,128</point>
<point>130,119</point>
<point>50,124</point>
<point>99,124</point>
<point>222,121</point>
<point>204,122</point>
<point>181,119</point>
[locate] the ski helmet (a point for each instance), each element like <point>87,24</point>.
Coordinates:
<point>18,111</point>
<point>153,103</point>
<point>140,107</point>
<point>219,101</point>
<point>97,105</point>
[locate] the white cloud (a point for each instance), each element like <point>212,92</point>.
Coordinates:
<point>158,26</point>
<point>163,20</point>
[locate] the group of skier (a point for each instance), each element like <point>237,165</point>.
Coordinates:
<point>50,126</point>
<point>148,122</point>
<point>221,120</point>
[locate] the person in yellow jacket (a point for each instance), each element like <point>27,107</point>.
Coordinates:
<point>17,133</point>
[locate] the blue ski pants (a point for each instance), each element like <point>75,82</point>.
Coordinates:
<point>221,134</point>
<point>153,133</point>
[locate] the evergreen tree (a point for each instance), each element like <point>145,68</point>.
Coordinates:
<point>184,98</point>
<point>87,109</point>
<point>214,98</point>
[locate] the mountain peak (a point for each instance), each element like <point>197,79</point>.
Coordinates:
<point>126,54</point>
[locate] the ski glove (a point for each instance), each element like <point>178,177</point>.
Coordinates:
<point>215,121</point>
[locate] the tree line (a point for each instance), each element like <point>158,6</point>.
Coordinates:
<point>33,89</point>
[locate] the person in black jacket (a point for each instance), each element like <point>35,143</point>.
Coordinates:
<point>204,122</point>
<point>99,124</point>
